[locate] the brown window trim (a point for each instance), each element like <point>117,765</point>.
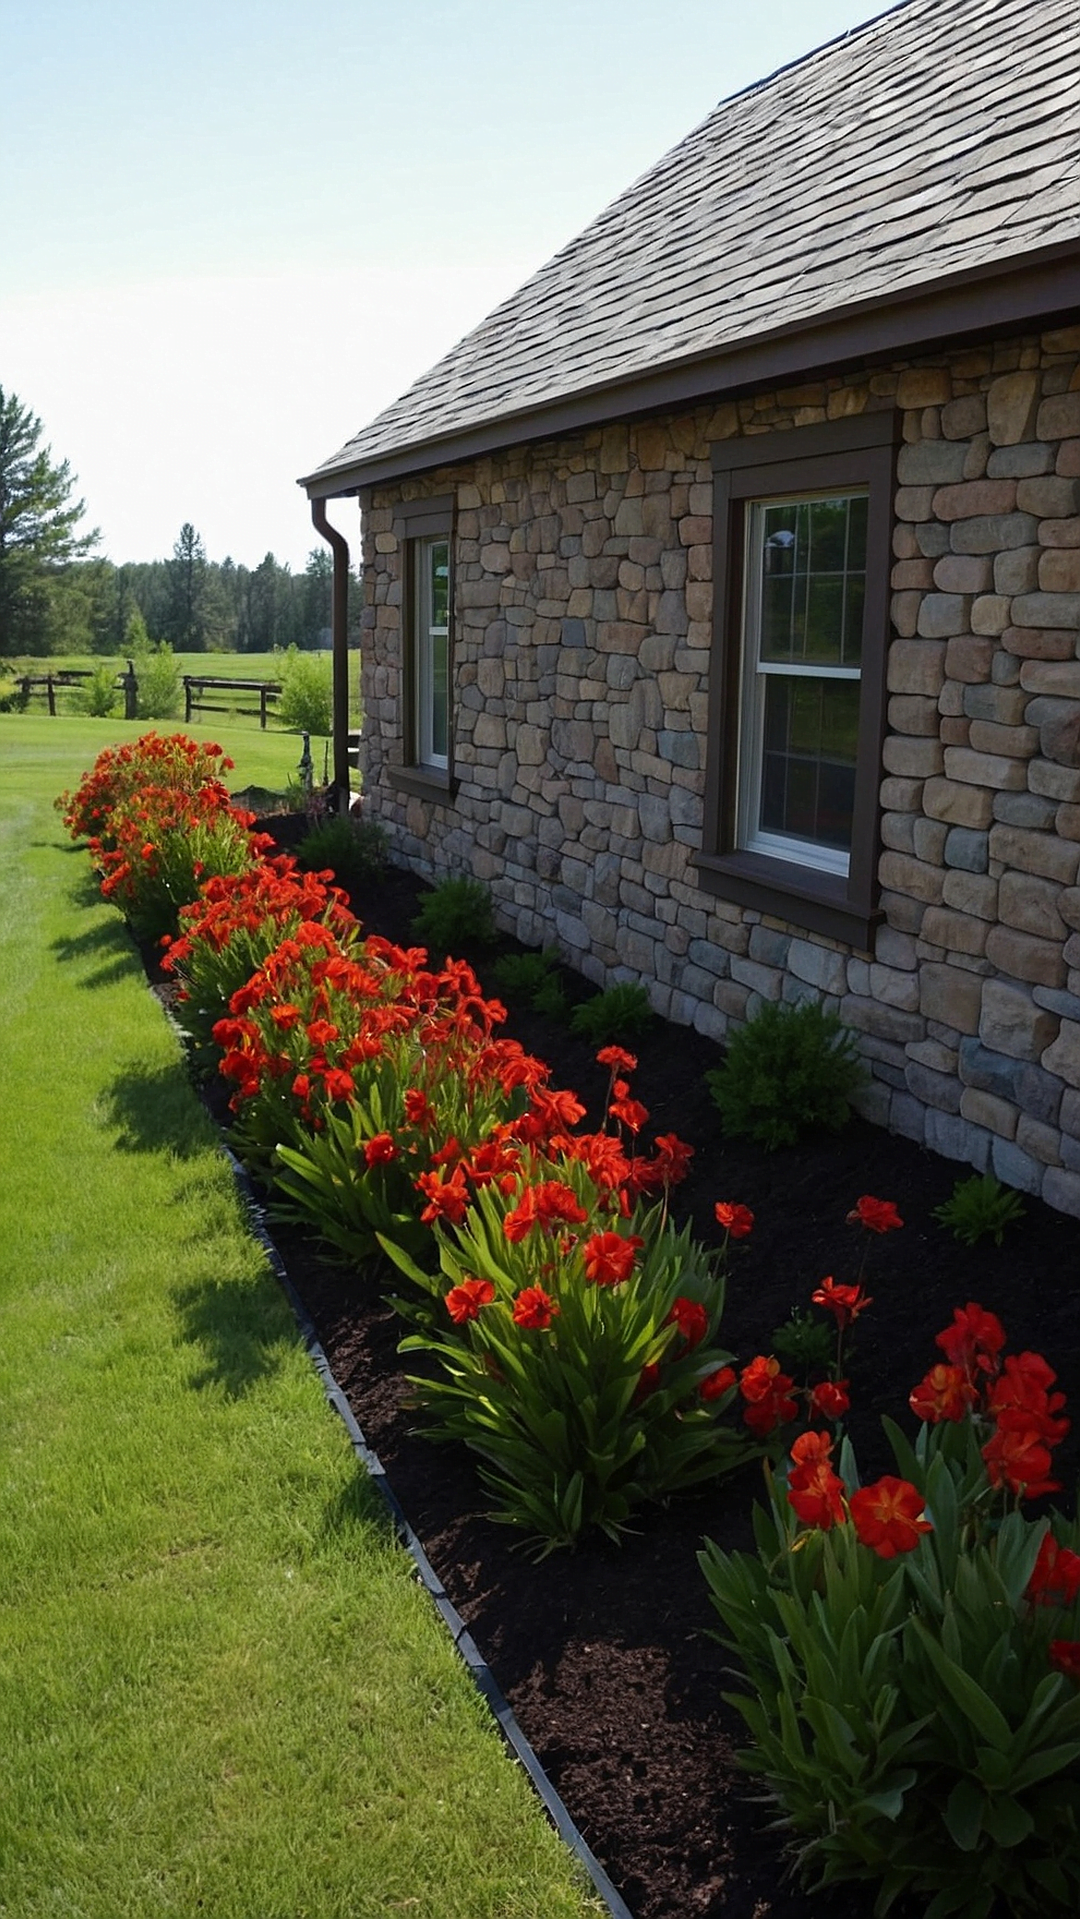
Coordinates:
<point>419,520</point>
<point>860,451</point>
<point>424,783</point>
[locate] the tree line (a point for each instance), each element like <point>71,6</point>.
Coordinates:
<point>58,596</point>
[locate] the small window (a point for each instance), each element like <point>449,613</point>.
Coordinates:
<point>425,531</point>
<point>431,602</point>
<point>802,555</point>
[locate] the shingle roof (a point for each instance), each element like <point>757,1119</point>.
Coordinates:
<point>937,139</point>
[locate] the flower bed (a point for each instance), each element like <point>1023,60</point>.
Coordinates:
<point>589,1247</point>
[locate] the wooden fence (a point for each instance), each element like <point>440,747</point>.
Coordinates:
<point>197,684</point>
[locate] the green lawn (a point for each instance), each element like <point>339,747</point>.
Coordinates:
<point>222,1690</point>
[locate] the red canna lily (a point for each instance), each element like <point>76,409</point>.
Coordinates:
<point>880,1216</point>
<point>691,1319</point>
<point>735,1219</point>
<point>1055,1577</point>
<point>464,1301</point>
<point>845,1303</point>
<point>888,1516</point>
<point>945,1393</point>
<point>609,1258</point>
<point>533,1308</point>
<point>715,1385</point>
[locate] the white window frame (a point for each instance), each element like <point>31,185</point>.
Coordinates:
<point>750,835</point>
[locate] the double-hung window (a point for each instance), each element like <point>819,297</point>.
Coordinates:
<point>802,541</point>
<point>425,530</point>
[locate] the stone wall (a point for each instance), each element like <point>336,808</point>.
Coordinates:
<point>583,619</point>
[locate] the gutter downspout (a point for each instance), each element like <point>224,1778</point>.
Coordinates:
<point>339,636</point>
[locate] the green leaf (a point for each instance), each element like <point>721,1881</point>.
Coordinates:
<point>976,1705</point>
<point>963,1813</point>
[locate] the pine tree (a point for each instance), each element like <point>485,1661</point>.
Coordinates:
<point>37,528</point>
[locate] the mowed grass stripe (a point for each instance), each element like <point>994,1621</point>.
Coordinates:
<point>221,1689</point>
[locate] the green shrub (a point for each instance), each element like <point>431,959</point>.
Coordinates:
<point>978,1206</point>
<point>789,1069</point>
<point>307,692</point>
<point>158,673</point>
<point>457,913</point>
<point>99,696</point>
<point>619,1013</point>
<point>355,850</point>
<point>532,979</point>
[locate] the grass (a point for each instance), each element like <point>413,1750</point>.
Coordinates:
<point>221,1689</point>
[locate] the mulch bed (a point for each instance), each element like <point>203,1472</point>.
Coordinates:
<point>606,1654</point>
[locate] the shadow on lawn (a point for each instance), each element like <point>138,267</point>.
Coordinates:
<point>241,1327</point>
<point>154,1109</point>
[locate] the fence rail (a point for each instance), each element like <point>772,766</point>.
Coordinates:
<point>196,684</point>
<point>48,683</point>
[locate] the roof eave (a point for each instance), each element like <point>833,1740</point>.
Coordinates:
<point>1041,286</point>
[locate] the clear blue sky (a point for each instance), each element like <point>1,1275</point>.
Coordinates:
<point>232,231</point>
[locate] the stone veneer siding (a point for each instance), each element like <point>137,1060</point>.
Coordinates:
<point>582,626</point>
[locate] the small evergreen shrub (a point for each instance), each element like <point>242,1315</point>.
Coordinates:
<point>458,913</point>
<point>532,980</point>
<point>980,1206</point>
<point>354,850</point>
<point>307,693</point>
<point>788,1070</point>
<point>619,1013</point>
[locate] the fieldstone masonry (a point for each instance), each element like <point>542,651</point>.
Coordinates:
<point>582,626</point>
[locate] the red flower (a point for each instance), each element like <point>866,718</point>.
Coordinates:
<point>1055,1577</point>
<point>609,1258</point>
<point>830,1398</point>
<point>691,1319</point>
<point>534,1308</point>
<point>813,1489</point>
<point>338,1084</point>
<point>734,1218</point>
<point>1018,1458</point>
<point>286,1017</point>
<point>447,1196</point>
<point>379,1149</point>
<point>880,1216</point>
<point>974,1340</point>
<point>1065,1656</point>
<point>888,1516</point>
<point>845,1302</point>
<point>945,1393</point>
<point>617,1059</point>
<point>1023,1386</point>
<point>715,1385</point>
<point>418,1111</point>
<point>630,1113</point>
<point>464,1301</point>
<point>544,1205</point>
<point>767,1392</point>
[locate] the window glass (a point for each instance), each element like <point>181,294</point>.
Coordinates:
<point>806,586</point>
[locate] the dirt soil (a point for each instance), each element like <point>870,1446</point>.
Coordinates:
<point>606,1653</point>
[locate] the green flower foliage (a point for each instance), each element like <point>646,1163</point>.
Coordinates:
<point>978,1206</point>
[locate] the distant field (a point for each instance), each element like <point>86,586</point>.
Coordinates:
<point>227,666</point>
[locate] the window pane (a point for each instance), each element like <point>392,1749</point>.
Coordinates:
<point>808,758</point>
<point>440,582</point>
<point>813,572</point>
<point>439,701</point>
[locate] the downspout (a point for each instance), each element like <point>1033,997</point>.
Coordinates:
<point>339,640</point>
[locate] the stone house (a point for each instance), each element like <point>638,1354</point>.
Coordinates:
<point>722,590</point>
